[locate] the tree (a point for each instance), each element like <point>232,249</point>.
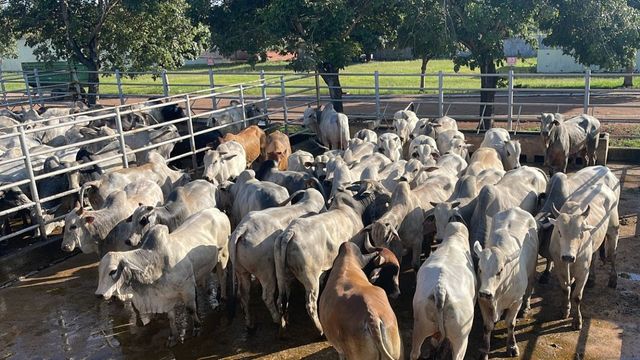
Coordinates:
<point>8,38</point>
<point>123,34</point>
<point>480,27</point>
<point>423,28</point>
<point>595,32</point>
<point>325,35</point>
<point>237,25</point>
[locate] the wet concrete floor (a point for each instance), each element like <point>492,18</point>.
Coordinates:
<point>55,315</point>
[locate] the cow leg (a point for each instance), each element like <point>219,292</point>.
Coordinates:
<point>244,290</point>
<point>488,325</point>
<point>611,244</point>
<point>526,299</point>
<point>415,255</point>
<point>562,273</point>
<point>421,330</point>
<point>173,333</point>
<point>191,304</point>
<point>283,303</point>
<point>310,279</point>
<point>591,279</point>
<point>510,320</point>
<point>458,346</point>
<point>581,279</point>
<point>544,278</point>
<point>268,281</point>
<point>221,271</point>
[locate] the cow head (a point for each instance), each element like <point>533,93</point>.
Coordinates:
<point>385,235</point>
<point>383,270</point>
<point>310,119</point>
<point>141,220</point>
<point>215,163</point>
<point>442,214</point>
<point>12,197</point>
<point>460,147</point>
<point>512,150</point>
<point>570,229</point>
<point>548,121</point>
<point>79,231</point>
<point>491,269</point>
<point>113,277</point>
<point>423,127</point>
<point>390,145</point>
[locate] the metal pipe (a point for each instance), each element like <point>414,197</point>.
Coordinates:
<point>214,103</point>
<point>192,139</point>
<point>32,183</point>
<point>242,105</point>
<point>510,102</point>
<point>440,93</point>
<point>39,90</point>
<point>165,83</point>
<point>123,145</point>
<point>587,88</point>
<point>376,80</point>
<point>119,85</point>
<point>28,89</point>
<point>2,87</point>
<point>283,93</point>
<point>317,79</point>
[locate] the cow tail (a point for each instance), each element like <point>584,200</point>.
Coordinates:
<point>280,258</point>
<point>439,298</point>
<point>236,237</point>
<point>380,338</point>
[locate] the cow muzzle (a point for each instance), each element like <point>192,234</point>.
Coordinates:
<point>68,247</point>
<point>568,259</point>
<point>484,294</point>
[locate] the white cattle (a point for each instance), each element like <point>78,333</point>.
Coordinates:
<point>331,127</point>
<point>484,158</point>
<point>224,163</point>
<point>167,269</point>
<point>446,294</point>
<point>138,139</point>
<point>445,140</point>
<point>404,122</point>
<point>87,229</point>
<point>506,273</point>
<point>308,247</point>
<point>421,140</point>
<point>586,221</point>
<point>547,123</point>
<point>366,135</point>
<point>357,150</point>
<point>252,244</point>
<point>301,161</point>
<point>508,149</point>
<point>390,145</point>
<point>371,164</point>
<point>578,135</point>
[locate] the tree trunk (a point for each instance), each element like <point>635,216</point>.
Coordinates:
<point>423,70</point>
<point>628,80</point>
<point>487,96</point>
<point>94,85</point>
<point>329,74</point>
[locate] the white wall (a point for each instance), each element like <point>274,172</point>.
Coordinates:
<point>554,61</point>
<point>25,54</point>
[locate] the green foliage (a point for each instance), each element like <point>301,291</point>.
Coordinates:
<point>239,25</point>
<point>328,34</point>
<point>595,32</point>
<point>8,38</point>
<point>424,30</point>
<point>480,26</point>
<point>129,35</point>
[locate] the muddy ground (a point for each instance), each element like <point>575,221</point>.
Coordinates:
<point>55,315</point>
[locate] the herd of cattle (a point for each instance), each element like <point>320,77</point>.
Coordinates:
<point>340,223</point>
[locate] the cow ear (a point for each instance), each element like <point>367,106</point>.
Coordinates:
<point>435,125</point>
<point>455,204</point>
<point>477,248</point>
<point>89,219</point>
<point>229,157</point>
<point>586,211</point>
<point>434,204</point>
<point>149,208</point>
<point>555,122</point>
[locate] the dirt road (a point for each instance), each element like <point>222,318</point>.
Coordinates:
<point>54,314</point>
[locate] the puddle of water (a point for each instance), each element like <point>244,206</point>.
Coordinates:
<point>630,276</point>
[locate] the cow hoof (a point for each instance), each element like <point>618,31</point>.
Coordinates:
<point>591,282</point>
<point>544,278</point>
<point>523,312</point>
<point>613,281</point>
<point>483,357</point>
<point>171,341</point>
<point>512,351</point>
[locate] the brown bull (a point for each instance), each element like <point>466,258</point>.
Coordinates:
<point>252,139</point>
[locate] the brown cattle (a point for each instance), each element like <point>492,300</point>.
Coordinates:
<point>356,316</point>
<point>252,139</point>
<point>278,148</point>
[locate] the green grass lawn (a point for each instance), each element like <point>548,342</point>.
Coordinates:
<point>195,78</point>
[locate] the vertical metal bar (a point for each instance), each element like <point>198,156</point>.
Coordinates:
<point>440,93</point>
<point>27,89</point>
<point>263,87</point>
<point>39,90</point>
<point>2,87</point>
<point>165,83</point>
<point>119,85</point>
<point>376,80</point>
<point>285,111</point>
<point>76,84</point>
<point>32,184</point>
<point>123,145</point>
<point>192,139</point>
<point>587,90</point>
<point>510,102</point>
<point>214,103</point>
<point>317,78</point>
<point>242,104</point>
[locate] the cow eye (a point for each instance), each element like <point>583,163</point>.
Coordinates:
<point>144,221</point>
<point>113,272</point>
<point>73,227</point>
<point>380,149</point>
<point>499,272</point>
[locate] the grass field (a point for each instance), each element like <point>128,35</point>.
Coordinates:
<point>407,82</point>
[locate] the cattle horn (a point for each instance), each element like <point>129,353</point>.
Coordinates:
<point>586,211</point>
<point>291,197</point>
<point>368,246</point>
<point>554,211</point>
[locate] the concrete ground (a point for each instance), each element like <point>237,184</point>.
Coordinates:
<point>54,314</point>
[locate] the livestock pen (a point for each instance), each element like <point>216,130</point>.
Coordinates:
<point>75,324</point>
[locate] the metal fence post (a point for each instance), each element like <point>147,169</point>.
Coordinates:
<point>587,90</point>
<point>244,113</point>
<point>283,93</point>
<point>38,89</point>
<point>119,85</point>
<point>317,77</point>
<point>76,84</point>
<point>376,80</point>
<point>27,89</point>
<point>264,91</point>
<point>510,102</point>
<point>192,139</point>
<point>2,88</point>
<point>165,83</point>
<point>212,85</point>
<point>440,93</point>
<point>32,184</point>
<point>123,145</point>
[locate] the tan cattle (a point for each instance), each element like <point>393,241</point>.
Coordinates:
<point>252,139</point>
<point>278,148</point>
